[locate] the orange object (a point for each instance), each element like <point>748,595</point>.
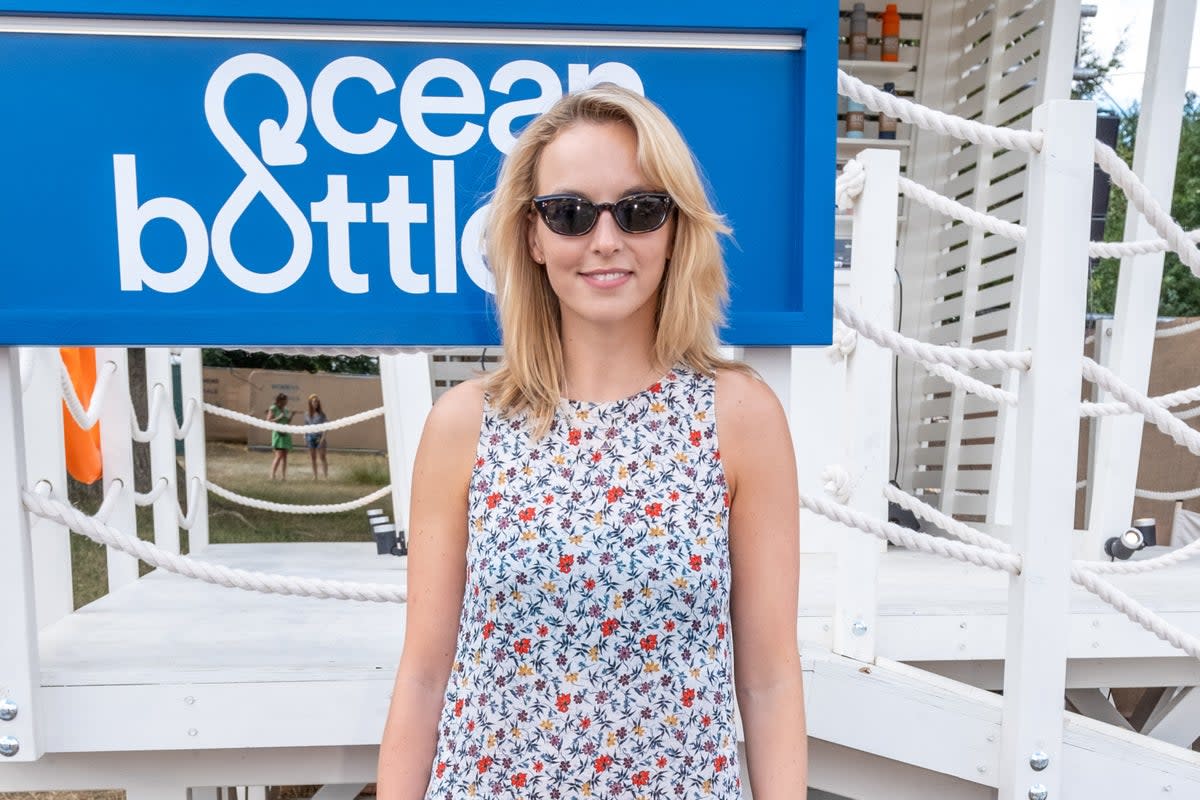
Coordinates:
<point>82,447</point>
<point>891,34</point>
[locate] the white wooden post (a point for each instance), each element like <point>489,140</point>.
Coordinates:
<point>195,457</point>
<point>1119,438</point>
<point>51,541</point>
<point>116,455</point>
<point>19,668</point>
<point>162,446</point>
<point>1052,293</point>
<point>407,399</point>
<point>868,403</point>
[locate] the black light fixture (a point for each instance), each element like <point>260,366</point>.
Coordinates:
<point>1123,546</point>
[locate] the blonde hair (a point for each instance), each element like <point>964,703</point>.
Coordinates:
<point>694,290</point>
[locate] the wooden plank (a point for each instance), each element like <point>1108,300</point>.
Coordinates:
<point>968,455</point>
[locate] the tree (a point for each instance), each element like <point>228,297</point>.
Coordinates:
<point>1180,294</point>
<point>346,365</point>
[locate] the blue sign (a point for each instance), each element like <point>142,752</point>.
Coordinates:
<point>324,185</point>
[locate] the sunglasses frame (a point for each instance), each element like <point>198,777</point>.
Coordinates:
<point>601,208</point>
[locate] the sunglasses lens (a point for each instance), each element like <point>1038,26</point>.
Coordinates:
<point>568,216</point>
<point>642,212</point>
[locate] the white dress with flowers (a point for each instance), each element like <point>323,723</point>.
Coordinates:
<point>594,656</point>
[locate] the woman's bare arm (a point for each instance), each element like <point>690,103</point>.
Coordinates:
<point>436,577</point>
<point>764,523</point>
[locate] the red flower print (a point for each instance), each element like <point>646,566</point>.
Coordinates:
<point>614,494</point>
<point>719,763</point>
<point>548,499</point>
<point>589,584</point>
<point>493,499</point>
<point>564,563</point>
<point>656,388</point>
<point>488,627</point>
<point>694,562</point>
<point>641,778</point>
<point>596,456</point>
<point>537,766</point>
<point>609,626</point>
<point>716,455</point>
<point>650,642</point>
<point>543,630</point>
<point>585,723</point>
<point>661,763</point>
<point>527,514</point>
<point>479,461</point>
<point>725,499</point>
<point>689,697</point>
<point>713,584</point>
<point>602,763</point>
<point>706,720</point>
<point>458,707</point>
<point>564,702</point>
<point>670,625</point>
<point>574,435</point>
<point>674,496</point>
<point>518,780</point>
<point>720,630</point>
<point>441,768</point>
<point>694,438</point>
<point>521,646</point>
<point>470,726</point>
<point>654,510</point>
<point>483,764</point>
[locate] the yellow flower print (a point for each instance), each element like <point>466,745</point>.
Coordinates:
<point>650,465</point>
<point>502,479</point>
<point>611,741</point>
<point>618,602</point>
<point>671,720</point>
<point>575,539</point>
<point>638,730</point>
<point>681,582</point>
<point>708,787</point>
<point>524,670</point>
<point>586,790</point>
<point>529,536</point>
<point>581,413</point>
<point>598,519</point>
<point>492,605</point>
<point>527,470</point>
<point>546,725</point>
<point>647,591</point>
<point>702,540</point>
<point>657,407</point>
<point>701,415</point>
<point>491,741</point>
<point>559,460</point>
<point>572,677</point>
<point>622,473</point>
<point>657,531</point>
<point>549,587</point>
<point>594,653</point>
<point>651,666</point>
<point>682,458</point>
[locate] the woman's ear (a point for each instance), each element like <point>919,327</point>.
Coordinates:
<point>531,238</point>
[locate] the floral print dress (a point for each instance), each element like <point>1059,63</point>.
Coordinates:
<point>594,655</point>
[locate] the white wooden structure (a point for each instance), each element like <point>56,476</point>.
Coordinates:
<point>169,686</point>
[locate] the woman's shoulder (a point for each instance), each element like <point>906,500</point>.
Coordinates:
<point>458,412</point>
<point>746,404</point>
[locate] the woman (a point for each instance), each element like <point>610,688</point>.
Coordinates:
<point>316,441</point>
<point>281,443</point>
<point>585,562</point>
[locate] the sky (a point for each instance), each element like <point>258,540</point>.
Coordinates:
<point>1132,18</point>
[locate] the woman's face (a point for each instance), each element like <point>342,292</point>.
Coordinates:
<point>607,275</point>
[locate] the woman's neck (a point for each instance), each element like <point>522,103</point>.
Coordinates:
<point>603,363</point>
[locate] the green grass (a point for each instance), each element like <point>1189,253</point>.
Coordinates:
<point>351,475</point>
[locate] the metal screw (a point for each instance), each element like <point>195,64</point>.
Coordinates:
<point>858,628</point>
<point>9,746</point>
<point>189,700</point>
<point>8,709</point>
<point>192,731</point>
<point>1039,761</point>
<point>1038,792</point>
<point>1167,788</point>
<point>991,737</point>
<point>982,768</point>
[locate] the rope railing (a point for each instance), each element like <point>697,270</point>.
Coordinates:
<point>321,427</point>
<point>1177,330</point>
<point>44,505</point>
<point>86,418</point>
<point>184,520</point>
<point>1162,419</point>
<point>289,508</point>
<point>158,398</point>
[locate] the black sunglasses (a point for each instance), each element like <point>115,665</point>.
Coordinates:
<point>569,215</point>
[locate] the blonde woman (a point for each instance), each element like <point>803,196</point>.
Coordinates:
<point>317,445</point>
<point>602,524</point>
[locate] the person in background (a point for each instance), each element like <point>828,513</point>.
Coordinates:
<point>281,443</point>
<point>316,441</point>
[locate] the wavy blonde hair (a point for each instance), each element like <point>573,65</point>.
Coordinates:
<point>694,290</point>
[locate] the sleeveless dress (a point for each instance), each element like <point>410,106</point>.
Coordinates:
<point>594,653</point>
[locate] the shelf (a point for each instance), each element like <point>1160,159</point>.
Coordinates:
<point>876,73</point>
<point>848,148</point>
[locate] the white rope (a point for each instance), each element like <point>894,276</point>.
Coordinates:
<point>850,184</point>
<point>972,385</point>
<point>328,351</point>
<point>913,540</point>
<point>332,425</point>
<point>1163,420</point>
<point>929,119</point>
<point>929,353</point>
<point>1177,330</point>
<point>845,339</point>
<point>1179,398</point>
<point>287,508</point>
<point>1183,494</point>
<point>1141,199</point>
<point>86,418</point>
<point>148,498</point>
<point>947,523</point>
<point>111,495</point>
<point>1135,611</point>
<point>97,531</point>
<point>1147,565</point>
<point>1189,414</point>
<point>1137,248</point>
<point>158,398</point>
<point>838,483</point>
